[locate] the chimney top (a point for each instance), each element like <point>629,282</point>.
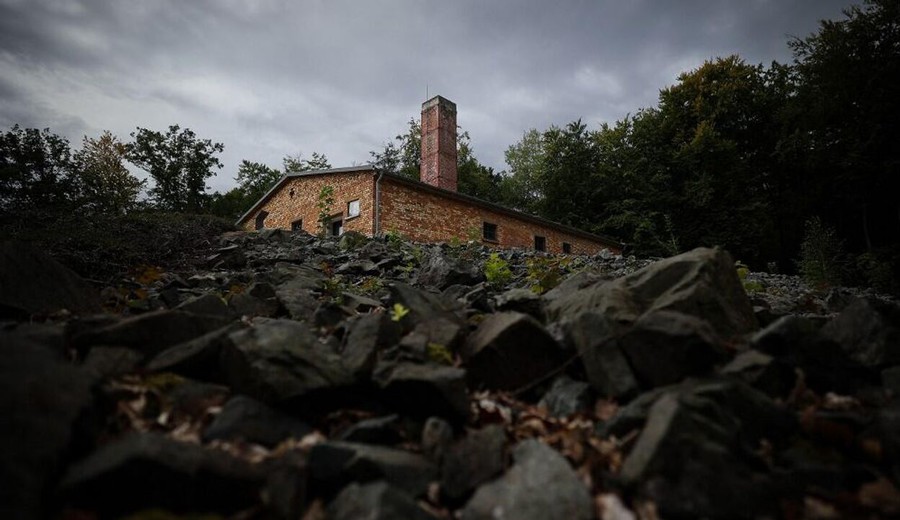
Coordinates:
<point>438,162</point>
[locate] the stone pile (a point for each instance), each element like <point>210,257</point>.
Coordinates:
<point>298,377</point>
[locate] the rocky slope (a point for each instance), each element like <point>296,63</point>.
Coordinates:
<point>306,378</point>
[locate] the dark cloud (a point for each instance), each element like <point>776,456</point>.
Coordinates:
<point>268,78</point>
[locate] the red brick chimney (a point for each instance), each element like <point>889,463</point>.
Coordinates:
<point>438,166</point>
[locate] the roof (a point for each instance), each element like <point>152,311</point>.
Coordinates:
<point>422,186</point>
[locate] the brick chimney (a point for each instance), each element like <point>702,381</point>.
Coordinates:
<point>438,165</point>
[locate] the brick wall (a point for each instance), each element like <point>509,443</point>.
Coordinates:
<point>430,217</point>
<point>298,198</point>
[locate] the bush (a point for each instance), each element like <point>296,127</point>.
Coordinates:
<point>496,271</point>
<point>880,269</point>
<point>822,260</point>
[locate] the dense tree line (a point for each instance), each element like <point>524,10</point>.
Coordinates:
<point>749,157</point>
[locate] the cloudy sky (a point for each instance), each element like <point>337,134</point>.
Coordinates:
<point>274,77</point>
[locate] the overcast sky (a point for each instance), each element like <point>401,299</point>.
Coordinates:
<point>341,77</point>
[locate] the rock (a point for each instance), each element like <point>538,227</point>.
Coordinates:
<point>434,340</point>
<point>45,405</point>
<point>422,306</point>
<point>334,464</point>
<point>104,362</point>
<point>605,364</point>
<point>297,298</point>
<point>365,337</point>
<point>282,362</point>
<point>197,358</point>
<point>357,268</point>
<point>150,333</point>
<point>285,491</point>
<point>567,396</point>
<point>440,271</point>
<point>473,460</point>
<point>868,330</point>
<point>359,303</point>
<point>763,372</point>
<point>230,257</point>
<point>664,347</point>
<point>328,315</point>
<point>259,299</point>
<point>208,304</point>
<point>890,379</point>
<point>374,501</point>
<point>437,434</point>
<point>377,430</point>
<point>701,283</point>
<point>523,491</point>
<point>424,389</point>
<point>148,470</point>
<point>520,300</point>
<point>351,240</point>
<point>509,351</point>
<point>249,420</point>
<point>32,282</point>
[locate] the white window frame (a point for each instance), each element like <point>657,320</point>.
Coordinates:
<point>350,212</point>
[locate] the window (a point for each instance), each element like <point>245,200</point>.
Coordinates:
<point>261,219</point>
<point>353,208</point>
<point>337,227</point>
<point>297,225</point>
<point>540,243</point>
<point>489,232</point>
<point>567,248</point>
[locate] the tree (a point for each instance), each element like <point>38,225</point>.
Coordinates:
<point>104,183</point>
<point>567,180</point>
<point>179,164</point>
<point>296,162</point>
<point>473,178</point>
<point>521,186</point>
<point>403,155</point>
<point>255,179</point>
<point>35,169</point>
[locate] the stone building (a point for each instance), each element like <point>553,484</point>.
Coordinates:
<point>374,202</point>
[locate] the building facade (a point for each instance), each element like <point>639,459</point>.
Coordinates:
<point>431,210</point>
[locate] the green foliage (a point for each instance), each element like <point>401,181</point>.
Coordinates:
<point>394,239</point>
<point>324,203</point>
<point>179,163</point>
<point>545,273</point>
<point>398,311</point>
<point>334,286</point>
<point>36,169</point>
<point>370,285</point>
<point>880,269</point>
<point>103,182</point>
<point>296,162</point>
<point>438,353</point>
<point>822,261</point>
<point>497,271</point>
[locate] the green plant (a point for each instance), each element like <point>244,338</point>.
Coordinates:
<point>324,204</point>
<point>822,261</point>
<point>398,311</point>
<point>370,285</point>
<point>335,287</point>
<point>545,273</point>
<point>439,353</point>
<point>496,270</point>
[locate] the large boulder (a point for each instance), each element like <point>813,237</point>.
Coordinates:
<point>701,283</point>
<point>374,501</point>
<point>244,418</point>
<point>596,341</point>
<point>424,389</point>
<point>440,270</point>
<point>148,470</point>
<point>334,464</point>
<point>509,351</point>
<point>32,282</point>
<point>539,485</point>
<point>473,460</point>
<point>868,331</point>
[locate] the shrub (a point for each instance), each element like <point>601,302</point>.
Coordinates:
<point>496,270</point>
<point>822,261</point>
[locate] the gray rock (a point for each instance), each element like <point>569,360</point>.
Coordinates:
<point>150,333</point>
<point>525,491</point>
<point>509,351</point>
<point>520,300</point>
<point>664,347</point>
<point>763,372</point>
<point>424,389</point>
<point>281,361</point>
<point>357,268</point>
<point>197,358</point>
<point>605,365</point>
<point>868,330</point>
<point>32,282</point>
<point>207,304</point>
<point>105,362</point>
<point>374,501</point>
<point>440,271</point>
<point>437,434</point>
<point>365,337</point>
<point>147,470</point>
<point>567,396</point>
<point>377,430</point>
<point>335,464</point>
<point>701,283</point>
<point>890,379</point>
<point>297,297</point>
<point>259,299</point>
<point>252,421</point>
<point>473,460</point>
<point>422,305</point>
<point>43,400</point>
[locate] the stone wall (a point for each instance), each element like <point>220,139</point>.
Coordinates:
<point>298,198</point>
<point>428,217</point>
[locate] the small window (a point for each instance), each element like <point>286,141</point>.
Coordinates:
<point>337,227</point>
<point>540,243</point>
<point>297,225</point>
<point>567,248</point>
<point>261,219</point>
<point>353,208</point>
<point>489,232</point>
